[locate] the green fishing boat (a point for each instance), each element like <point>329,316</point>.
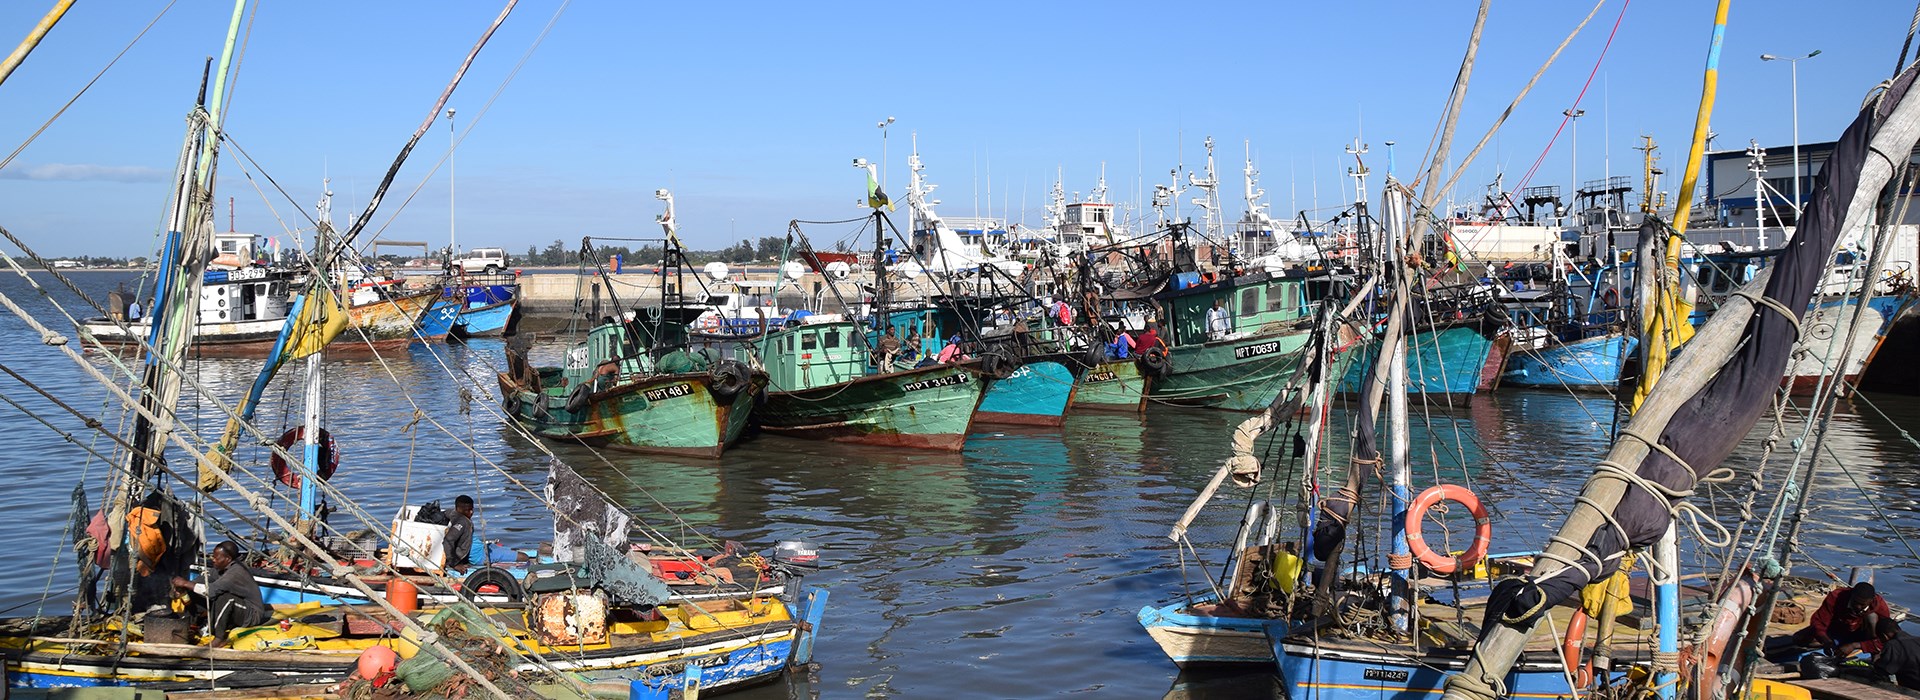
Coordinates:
<point>1113,385</point>
<point>824,385</point>
<point>634,383</point>
<point>627,387</point>
<point>1230,343</point>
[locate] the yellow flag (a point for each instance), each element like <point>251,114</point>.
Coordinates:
<point>320,320</point>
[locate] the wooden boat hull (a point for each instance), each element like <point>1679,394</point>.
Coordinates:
<point>924,408</point>
<point>391,323</point>
<point>1826,329</point>
<point>1591,363</point>
<point>1114,385</point>
<point>230,339</point>
<point>1244,374</point>
<point>1038,393</point>
<point>1203,641</point>
<point>1443,361</point>
<point>676,414</point>
<point>730,656</point>
<point>1342,672</point>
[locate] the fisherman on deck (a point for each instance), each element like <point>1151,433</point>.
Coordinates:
<point>232,597</point>
<point>1218,322</point>
<point>1846,621</point>
<point>459,539</point>
<point>889,348</point>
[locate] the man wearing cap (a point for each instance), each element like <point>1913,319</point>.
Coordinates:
<point>1847,621</point>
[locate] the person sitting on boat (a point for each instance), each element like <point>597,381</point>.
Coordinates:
<point>459,539</point>
<point>1218,323</point>
<point>1899,656</point>
<point>1121,347</point>
<point>911,350</point>
<point>1847,621</point>
<point>889,347</point>
<point>1147,339</point>
<point>952,352</point>
<point>232,597</point>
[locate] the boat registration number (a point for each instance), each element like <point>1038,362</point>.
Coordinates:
<point>247,273</point>
<point>675,668</point>
<point>1382,674</point>
<point>1106,376</point>
<point>1266,348</point>
<point>669,392</point>
<point>937,382</point>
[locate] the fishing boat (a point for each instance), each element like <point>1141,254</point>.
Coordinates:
<point>827,380</point>
<point>634,384</point>
<point>241,308</point>
<point>1041,390</point>
<point>1240,367</point>
<point>489,305</point>
<point>823,385</point>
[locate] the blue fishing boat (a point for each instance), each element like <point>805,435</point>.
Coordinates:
<point>437,321</point>
<point>485,321</point>
<point>1588,363</point>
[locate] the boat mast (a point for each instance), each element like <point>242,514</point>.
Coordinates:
<point>310,428</point>
<point>1401,563</point>
<point>34,36</point>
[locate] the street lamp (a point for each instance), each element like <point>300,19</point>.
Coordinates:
<point>1573,152</point>
<point>883,152</point>
<point>1794,65</point>
<point>453,243</point>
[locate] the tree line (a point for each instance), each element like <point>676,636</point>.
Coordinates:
<point>560,253</point>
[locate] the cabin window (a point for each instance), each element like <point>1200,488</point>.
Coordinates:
<point>809,341</point>
<point>833,339</point>
<point>1279,298</point>
<point>1250,301</point>
<point>789,343</point>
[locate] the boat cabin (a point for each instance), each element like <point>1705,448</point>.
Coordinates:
<point>811,355</point>
<point>246,294</point>
<point>1256,303</point>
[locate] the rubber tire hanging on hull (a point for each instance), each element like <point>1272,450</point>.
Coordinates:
<point>496,577</point>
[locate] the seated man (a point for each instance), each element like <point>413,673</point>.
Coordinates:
<point>1899,655</point>
<point>1846,621</point>
<point>459,538</point>
<point>232,597</point>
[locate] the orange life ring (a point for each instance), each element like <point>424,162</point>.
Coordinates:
<point>1482,529</point>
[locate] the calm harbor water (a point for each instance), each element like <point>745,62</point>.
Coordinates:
<point>1014,569</point>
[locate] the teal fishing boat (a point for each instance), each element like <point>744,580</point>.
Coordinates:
<point>1451,359</point>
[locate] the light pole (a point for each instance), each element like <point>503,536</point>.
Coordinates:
<point>1573,155</point>
<point>453,242</point>
<point>1794,68</point>
<point>883,152</point>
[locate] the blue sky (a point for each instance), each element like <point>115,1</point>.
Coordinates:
<point>752,112</point>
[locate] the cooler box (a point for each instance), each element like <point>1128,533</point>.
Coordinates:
<point>417,545</point>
